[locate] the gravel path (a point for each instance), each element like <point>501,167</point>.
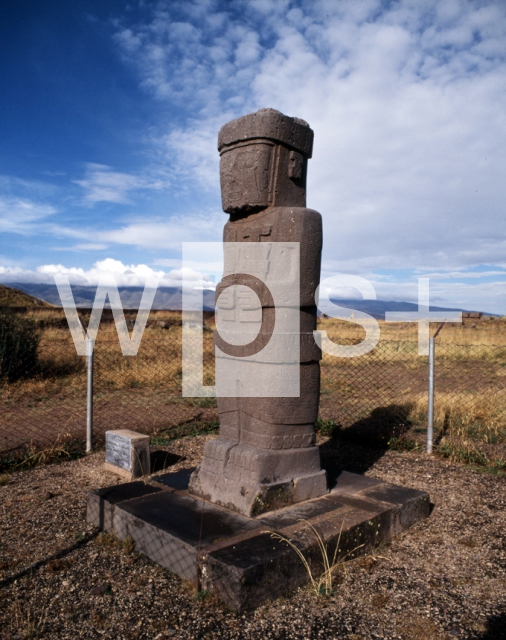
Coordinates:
<point>444,578</point>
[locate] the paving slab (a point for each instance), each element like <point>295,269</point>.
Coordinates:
<point>236,556</point>
<point>350,483</point>
<point>171,527</point>
<point>101,502</point>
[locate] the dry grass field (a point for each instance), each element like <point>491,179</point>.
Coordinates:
<point>487,331</point>
<point>383,394</point>
<point>379,398</point>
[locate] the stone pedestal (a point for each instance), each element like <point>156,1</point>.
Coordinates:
<point>234,556</point>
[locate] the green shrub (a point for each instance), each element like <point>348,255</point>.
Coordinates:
<point>19,340</point>
<point>327,428</point>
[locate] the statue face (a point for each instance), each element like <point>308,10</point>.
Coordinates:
<point>244,177</point>
<point>295,165</point>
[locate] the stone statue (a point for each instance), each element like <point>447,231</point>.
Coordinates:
<point>265,457</point>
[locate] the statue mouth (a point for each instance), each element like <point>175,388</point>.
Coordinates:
<point>243,210</point>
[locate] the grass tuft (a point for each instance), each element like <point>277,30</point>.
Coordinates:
<point>128,545</point>
<point>33,455</point>
<point>322,585</point>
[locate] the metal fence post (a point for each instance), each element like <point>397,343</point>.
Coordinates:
<point>90,344</point>
<point>430,408</point>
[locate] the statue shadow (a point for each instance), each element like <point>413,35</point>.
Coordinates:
<point>356,448</point>
<point>161,460</point>
<point>496,628</point>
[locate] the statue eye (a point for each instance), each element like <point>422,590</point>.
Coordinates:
<point>295,165</point>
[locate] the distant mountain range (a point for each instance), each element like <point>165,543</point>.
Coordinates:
<point>165,298</point>
<point>171,298</point>
<point>378,308</point>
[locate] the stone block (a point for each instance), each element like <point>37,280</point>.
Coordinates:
<point>127,453</point>
<point>168,528</point>
<point>350,483</point>
<point>101,502</point>
<point>412,505</point>
<point>268,124</point>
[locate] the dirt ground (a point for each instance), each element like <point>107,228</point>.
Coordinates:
<point>444,578</point>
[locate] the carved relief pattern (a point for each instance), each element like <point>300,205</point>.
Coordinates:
<point>268,440</point>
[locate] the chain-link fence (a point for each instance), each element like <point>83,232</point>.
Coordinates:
<point>382,396</point>
<point>374,398</point>
<point>141,392</point>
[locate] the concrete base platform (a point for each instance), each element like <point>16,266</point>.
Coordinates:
<point>235,556</point>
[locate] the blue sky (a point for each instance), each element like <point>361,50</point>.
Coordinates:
<point>110,113</point>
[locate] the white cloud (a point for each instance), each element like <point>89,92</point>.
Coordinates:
<point>406,101</point>
<point>83,246</point>
<point>23,216</point>
<point>482,296</point>
<point>193,152</point>
<point>134,275</point>
<point>102,184</point>
<point>464,275</point>
<point>36,190</point>
<point>168,234</point>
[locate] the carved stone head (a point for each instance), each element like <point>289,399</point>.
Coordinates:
<point>263,161</point>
